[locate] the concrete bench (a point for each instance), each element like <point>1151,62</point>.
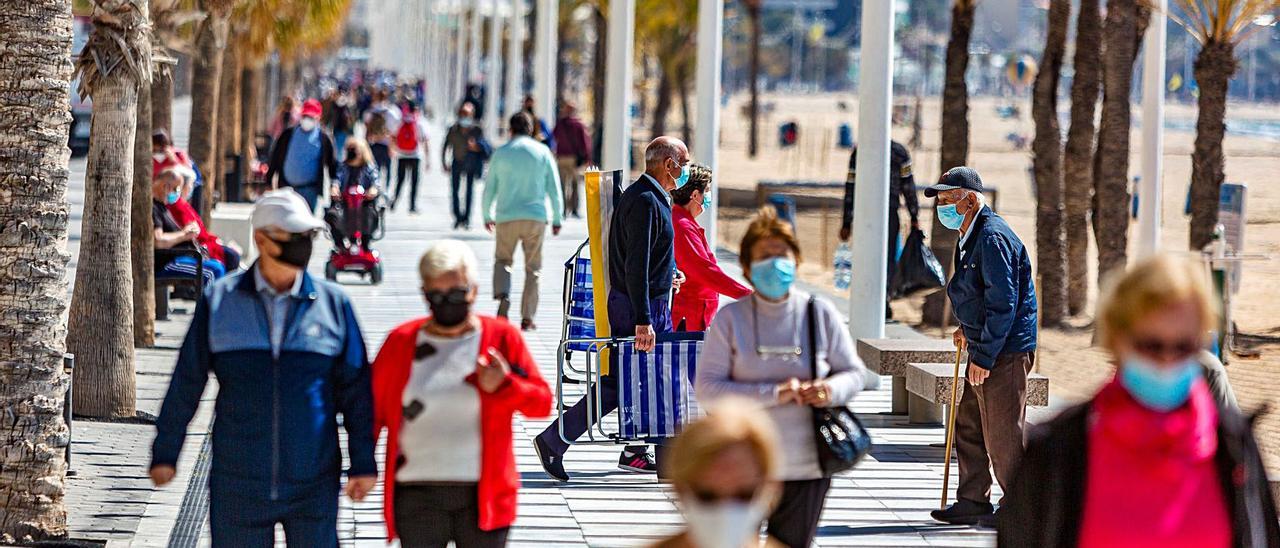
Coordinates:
<point>891,356</point>
<point>230,221</point>
<point>930,387</point>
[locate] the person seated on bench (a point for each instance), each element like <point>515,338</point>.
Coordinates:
<point>185,214</point>
<point>169,235</point>
<point>358,168</point>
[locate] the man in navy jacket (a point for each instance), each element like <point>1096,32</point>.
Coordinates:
<point>288,355</point>
<point>641,275</point>
<point>994,300</point>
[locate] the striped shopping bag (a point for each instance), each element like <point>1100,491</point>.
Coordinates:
<point>655,395</point>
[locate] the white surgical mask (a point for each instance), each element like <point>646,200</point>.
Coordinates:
<point>726,524</point>
<point>158,156</point>
<point>307,124</point>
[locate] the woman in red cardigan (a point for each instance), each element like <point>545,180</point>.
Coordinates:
<point>445,387</point>
<point>699,298</point>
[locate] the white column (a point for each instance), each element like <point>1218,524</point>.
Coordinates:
<point>870,217</point>
<point>459,54</point>
<point>707,90</point>
<point>545,54</point>
<point>617,98</point>
<point>515,58</point>
<point>473,54</point>
<point>1151,186</point>
<point>493,74</point>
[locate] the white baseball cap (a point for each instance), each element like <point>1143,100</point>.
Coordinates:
<point>284,209</point>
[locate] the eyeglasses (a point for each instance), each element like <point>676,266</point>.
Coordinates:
<point>457,295</point>
<point>1157,348</point>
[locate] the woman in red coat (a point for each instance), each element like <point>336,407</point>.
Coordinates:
<point>699,298</point>
<point>445,388</point>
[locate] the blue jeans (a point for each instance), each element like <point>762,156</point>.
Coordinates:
<point>310,193</point>
<point>462,207</point>
<point>245,518</point>
<point>621,324</point>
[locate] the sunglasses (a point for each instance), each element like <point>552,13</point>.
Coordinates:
<point>457,295</point>
<point>707,497</point>
<point>1157,348</point>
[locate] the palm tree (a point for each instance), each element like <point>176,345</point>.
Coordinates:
<point>206,73</point>
<point>115,62</point>
<point>141,227</point>
<point>753,133</point>
<point>229,109</point>
<point>955,135</point>
<point>33,266</point>
<point>1126,21</point>
<point>1077,165</point>
<point>666,34</point>
<point>172,23</point>
<point>1219,26</point>
<point>1051,252</point>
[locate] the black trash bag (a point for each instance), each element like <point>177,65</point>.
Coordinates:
<point>918,270</point>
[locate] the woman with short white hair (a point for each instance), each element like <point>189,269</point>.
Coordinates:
<point>445,387</point>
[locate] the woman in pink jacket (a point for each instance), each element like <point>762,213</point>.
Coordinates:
<point>699,298</point>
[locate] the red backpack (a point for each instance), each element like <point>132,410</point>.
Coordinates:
<point>407,135</point>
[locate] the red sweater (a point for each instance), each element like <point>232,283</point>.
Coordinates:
<point>523,391</point>
<point>184,214</point>
<point>1150,479</point>
<point>703,278</point>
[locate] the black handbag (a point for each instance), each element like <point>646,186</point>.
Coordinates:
<point>841,439</point>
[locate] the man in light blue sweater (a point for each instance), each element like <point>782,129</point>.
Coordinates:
<point>522,178</point>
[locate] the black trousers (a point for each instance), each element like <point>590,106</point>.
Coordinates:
<point>407,166</point>
<point>432,515</point>
<point>382,155</point>
<point>795,521</point>
<point>461,204</point>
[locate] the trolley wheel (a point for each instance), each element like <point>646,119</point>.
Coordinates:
<point>375,275</point>
<point>330,272</point>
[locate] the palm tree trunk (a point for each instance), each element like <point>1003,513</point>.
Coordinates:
<point>162,102</point>
<point>1125,23</point>
<point>1213,69</point>
<point>682,87</point>
<point>753,111</point>
<point>598,59</point>
<point>250,79</point>
<point>141,230</point>
<point>663,105</point>
<point>955,139</point>
<point>36,34</point>
<point>1077,162</point>
<point>100,328</point>
<point>228,113</point>
<point>1051,252</point>
<point>206,70</point>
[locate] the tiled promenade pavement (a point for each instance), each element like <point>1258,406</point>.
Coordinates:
<point>884,502</point>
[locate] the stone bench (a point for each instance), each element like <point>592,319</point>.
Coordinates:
<point>930,387</point>
<point>230,221</point>
<point>891,356</point>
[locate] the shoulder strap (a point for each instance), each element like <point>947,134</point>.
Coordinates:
<point>812,320</point>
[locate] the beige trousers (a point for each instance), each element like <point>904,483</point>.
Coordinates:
<point>569,183</point>
<point>529,234</point>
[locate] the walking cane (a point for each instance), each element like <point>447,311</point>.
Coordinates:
<point>951,430</point>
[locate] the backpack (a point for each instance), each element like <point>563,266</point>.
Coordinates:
<point>407,135</point>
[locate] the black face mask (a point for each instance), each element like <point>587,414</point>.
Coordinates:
<point>449,308</point>
<point>295,251</point>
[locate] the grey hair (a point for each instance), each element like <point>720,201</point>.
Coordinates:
<point>660,149</point>
<point>447,256</point>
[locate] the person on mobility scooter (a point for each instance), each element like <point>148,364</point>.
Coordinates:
<point>355,215</point>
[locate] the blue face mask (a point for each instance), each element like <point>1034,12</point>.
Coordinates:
<point>949,217</point>
<point>171,198</point>
<point>706,201</point>
<point>773,277</point>
<point>684,176</point>
<point>1157,388</point>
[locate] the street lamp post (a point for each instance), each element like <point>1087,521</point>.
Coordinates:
<point>1151,184</point>
<point>493,74</point>
<point>515,58</point>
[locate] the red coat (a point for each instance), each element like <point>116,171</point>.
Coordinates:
<point>704,281</point>
<point>184,214</point>
<point>523,391</point>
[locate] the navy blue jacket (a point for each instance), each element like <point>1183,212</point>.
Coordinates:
<point>992,292</point>
<point>275,430</point>
<point>641,246</point>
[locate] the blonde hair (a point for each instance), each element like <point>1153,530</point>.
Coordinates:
<point>766,225</point>
<point>447,256</point>
<point>1150,285</point>
<point>730,423</point>
<point>362,151</point>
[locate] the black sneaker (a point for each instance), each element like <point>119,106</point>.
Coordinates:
<point>552,463</point>
<point>641,463</point>
<point>964,512</point>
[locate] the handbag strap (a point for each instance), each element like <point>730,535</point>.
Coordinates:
<point>813,338</point>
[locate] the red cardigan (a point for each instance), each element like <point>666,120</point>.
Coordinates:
<point>523,391</point>
<point>694,256</point>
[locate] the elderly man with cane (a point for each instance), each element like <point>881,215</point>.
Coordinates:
<point>994,301</point>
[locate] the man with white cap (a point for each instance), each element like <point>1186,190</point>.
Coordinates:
<point>289,356</point>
